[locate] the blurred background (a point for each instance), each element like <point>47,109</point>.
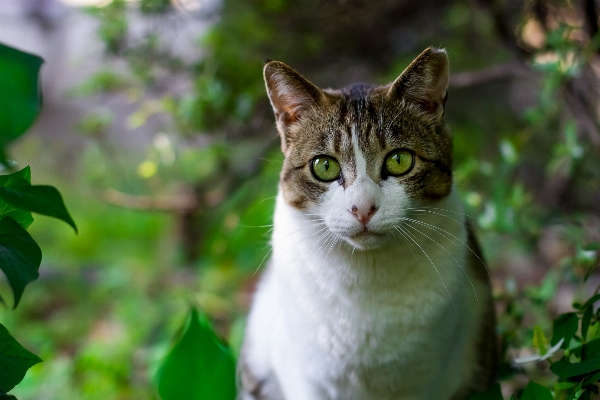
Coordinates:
<point>157,130</point>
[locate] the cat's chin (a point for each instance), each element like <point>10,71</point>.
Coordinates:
<point>366,240</point>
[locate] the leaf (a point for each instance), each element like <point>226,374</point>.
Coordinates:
<point>20,256</point>
<point>591,300</point>
<point>565,371</point>
<point>4,396</point>
<point>198,367</point>
<point>565,326</point>
<point>539,340</point>
<point>534,391</point>
<point>40,199</point>
<point>585,321</point>
<point>22,217</point>
<point>591,350</point>
<point>491,393</point>
<point>591,379</point>
<point>564,385</point>
<point>20,97</point>
<point>15,360</point>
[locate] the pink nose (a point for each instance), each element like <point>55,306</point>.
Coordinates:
<point>363,214</point>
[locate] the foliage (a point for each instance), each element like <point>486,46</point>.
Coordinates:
<point>185,221</point>
<point>199,366</point>
<point>20,256</point>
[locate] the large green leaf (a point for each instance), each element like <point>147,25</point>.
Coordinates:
<point>22,217</point>
<point>534,391</point>
<point>198,367</point>
<point>15,360</point>
<point>564,326</point>
<point>20,97</point>
<point>40,199</point>
<point>20,256</point>
<point>565,370</point>
<point>491,393</point>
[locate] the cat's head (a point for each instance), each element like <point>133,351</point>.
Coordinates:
<point>359,157</point>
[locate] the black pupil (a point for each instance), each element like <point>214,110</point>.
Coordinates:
<point>326,165</point>
<point>397,158</point>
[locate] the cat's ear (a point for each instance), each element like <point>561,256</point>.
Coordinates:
<point>290,93</point>
<point>424,81</point>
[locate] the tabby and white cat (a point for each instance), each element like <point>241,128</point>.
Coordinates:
<point>374,289</point>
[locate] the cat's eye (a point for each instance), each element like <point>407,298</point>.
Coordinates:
<point>325,168</point>
<point>399,162</point>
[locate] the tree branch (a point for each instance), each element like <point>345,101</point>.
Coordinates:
<point>493,73</point>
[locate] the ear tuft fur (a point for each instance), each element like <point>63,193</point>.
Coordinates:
<point>424,81</point>
<point>290,93</point>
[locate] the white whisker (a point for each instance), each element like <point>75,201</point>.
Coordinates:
<point>429,258</point>
<point>450,254</point>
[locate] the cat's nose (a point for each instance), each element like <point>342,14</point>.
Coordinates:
<point>364,214</point>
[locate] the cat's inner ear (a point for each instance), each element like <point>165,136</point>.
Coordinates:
<point>290,93</point>
<point>424,81</point>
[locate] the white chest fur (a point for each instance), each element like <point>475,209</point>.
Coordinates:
<point>329,322</point>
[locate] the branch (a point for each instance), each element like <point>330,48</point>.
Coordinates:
<point>583,115</point>
<point>180,204</point>
<point>493,73</point>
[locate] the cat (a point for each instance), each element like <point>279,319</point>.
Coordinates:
<point>375,288</point>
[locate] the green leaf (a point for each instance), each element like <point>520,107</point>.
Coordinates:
<point>15,360</point>
<point>198,367</point>
<point>591,379</point>
<point>565,326</point>
<point>564,385</point>
<point>20,97</point>
<point>591,300</point>
<point>40,199</point>
<point>22,217</point>
<point>20,256</point>
<point>591,350</point>
<point>585,321</point>
<point>4,396</point>
<point>565,371</point>
<point>491,393</point>
<point>534,391</point>
<point>539,340</point>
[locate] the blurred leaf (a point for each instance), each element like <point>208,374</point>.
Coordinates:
<point>4,396</point>
<point>40,199</point>
<point>534,391</point>
<point>20,97</point>
<point>591,301</point>
<point>567,370</point>
<point>565,326</point>
<point>539,340</point>
<point>591,350</point>
<point>491,393</point>
<point>591,379</point>
<point>20,256</point>
<point>585,321</point>
<point>22,217</point>
<point>198,367</point>
<point>15,360</point>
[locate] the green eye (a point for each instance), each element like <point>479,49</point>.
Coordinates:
<point>399,162</point>
<point>325,168</point>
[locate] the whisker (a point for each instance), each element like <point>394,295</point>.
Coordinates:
<point>263,260</point>
<point>429,258</point>
<point>440,209</point>
<point>450,254</point>
<point>457,238</point>
<point>445,216</point>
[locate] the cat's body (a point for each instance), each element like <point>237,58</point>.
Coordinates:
<point>374,290</point>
